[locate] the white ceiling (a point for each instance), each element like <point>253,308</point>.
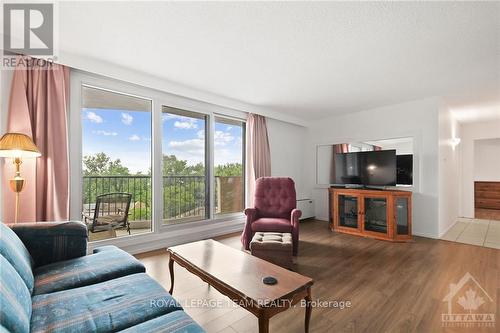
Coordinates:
<point>309,60</point>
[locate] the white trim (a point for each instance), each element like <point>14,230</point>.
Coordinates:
<point>424,234</point>
<point>156,165</point>
<point>441,234</point>
<point>210,136</point>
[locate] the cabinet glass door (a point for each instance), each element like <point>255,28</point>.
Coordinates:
<point>402,225</point>
<point>375,214</point>
<point>348,211</point>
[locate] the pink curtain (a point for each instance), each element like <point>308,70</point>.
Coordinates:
<point>38,107</point>
<point>258,157</point>
<point>341,148</point>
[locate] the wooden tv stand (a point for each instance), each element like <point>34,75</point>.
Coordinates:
<point>381,214</point>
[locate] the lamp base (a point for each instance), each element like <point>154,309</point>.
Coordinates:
<point>16,185</point>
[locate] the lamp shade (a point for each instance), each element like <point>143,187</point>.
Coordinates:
<point>18,145</point>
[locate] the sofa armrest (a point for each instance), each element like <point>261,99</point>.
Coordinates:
<point>50,242</point>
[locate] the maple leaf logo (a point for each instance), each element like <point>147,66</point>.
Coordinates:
<point>471,301</point>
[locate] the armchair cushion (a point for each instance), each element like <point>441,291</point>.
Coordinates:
<point>105,307</point>
<point>49,242</point>
<point>275,197</point>
<point>104,265</point>
<point>15,299</point>
<point>16,253</point>
<point>266,224</point>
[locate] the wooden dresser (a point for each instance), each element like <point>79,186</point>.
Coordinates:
<point>487,195</point>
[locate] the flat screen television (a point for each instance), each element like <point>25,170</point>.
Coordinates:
<point>368,168</point>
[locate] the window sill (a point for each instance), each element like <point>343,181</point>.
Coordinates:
<point>170,235</point>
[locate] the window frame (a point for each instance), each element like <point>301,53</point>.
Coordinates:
<point>158,99</point>
<point>82,86</point>
<point>243,162</point>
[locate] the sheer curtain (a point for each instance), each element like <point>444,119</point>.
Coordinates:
<point>258,157</point>
<point>38,107</point>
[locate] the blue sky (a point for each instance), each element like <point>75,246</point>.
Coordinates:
<point>126,135</point>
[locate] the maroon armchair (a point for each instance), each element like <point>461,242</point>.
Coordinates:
<point>275,210</point>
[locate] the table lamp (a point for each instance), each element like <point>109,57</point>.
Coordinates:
<point>17,146</point>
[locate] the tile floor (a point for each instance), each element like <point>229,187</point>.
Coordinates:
<point>476,232</point>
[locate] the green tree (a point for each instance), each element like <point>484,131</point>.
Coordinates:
<point>183,196</point>
<point>229,170</point>
<point>101,164</point>
<point>174,167</point>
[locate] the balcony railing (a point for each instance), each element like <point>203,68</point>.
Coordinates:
<point>184,197</point>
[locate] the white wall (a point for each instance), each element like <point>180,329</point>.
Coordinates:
<point>286,143</point>
<point>471,132</point>
<point>487,159</point>
<point>418,119</point>
<point>449,164</point>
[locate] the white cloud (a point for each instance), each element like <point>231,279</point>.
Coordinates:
<point>105,133</point>
<point>181,122</point>
<point>186,124</point>
<point>93,117</point>
<point>187,144</point>
<point>127,118</point>
<point>169,116</point>
<point>134,137</point>
<point>223,156</point>
<point>192,150</point>
<point>222,138</point>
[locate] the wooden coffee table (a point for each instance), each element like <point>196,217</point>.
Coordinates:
<point>238,275</point>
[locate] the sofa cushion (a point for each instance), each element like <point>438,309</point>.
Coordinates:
<point>106,264</point>
<point>265,224</point>
<point>13,249</point>
<point>15,299</point>
<point>174,322</point>
<point>104,307</point>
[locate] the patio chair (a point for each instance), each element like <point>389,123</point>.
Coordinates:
<point>111,212</point>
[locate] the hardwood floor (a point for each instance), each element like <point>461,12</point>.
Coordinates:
<point>393,287</point>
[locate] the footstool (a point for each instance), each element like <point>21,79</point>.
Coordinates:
<point>275,247</point>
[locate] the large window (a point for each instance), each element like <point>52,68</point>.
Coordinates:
<point>229,164</point>
<point>116,163</point>
<point>147,165</point>
<point>184,147</point>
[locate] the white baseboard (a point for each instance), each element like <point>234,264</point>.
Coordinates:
<point>423,234</point>
<point>447,229</point>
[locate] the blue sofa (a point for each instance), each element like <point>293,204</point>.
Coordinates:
<point>49,284</point>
